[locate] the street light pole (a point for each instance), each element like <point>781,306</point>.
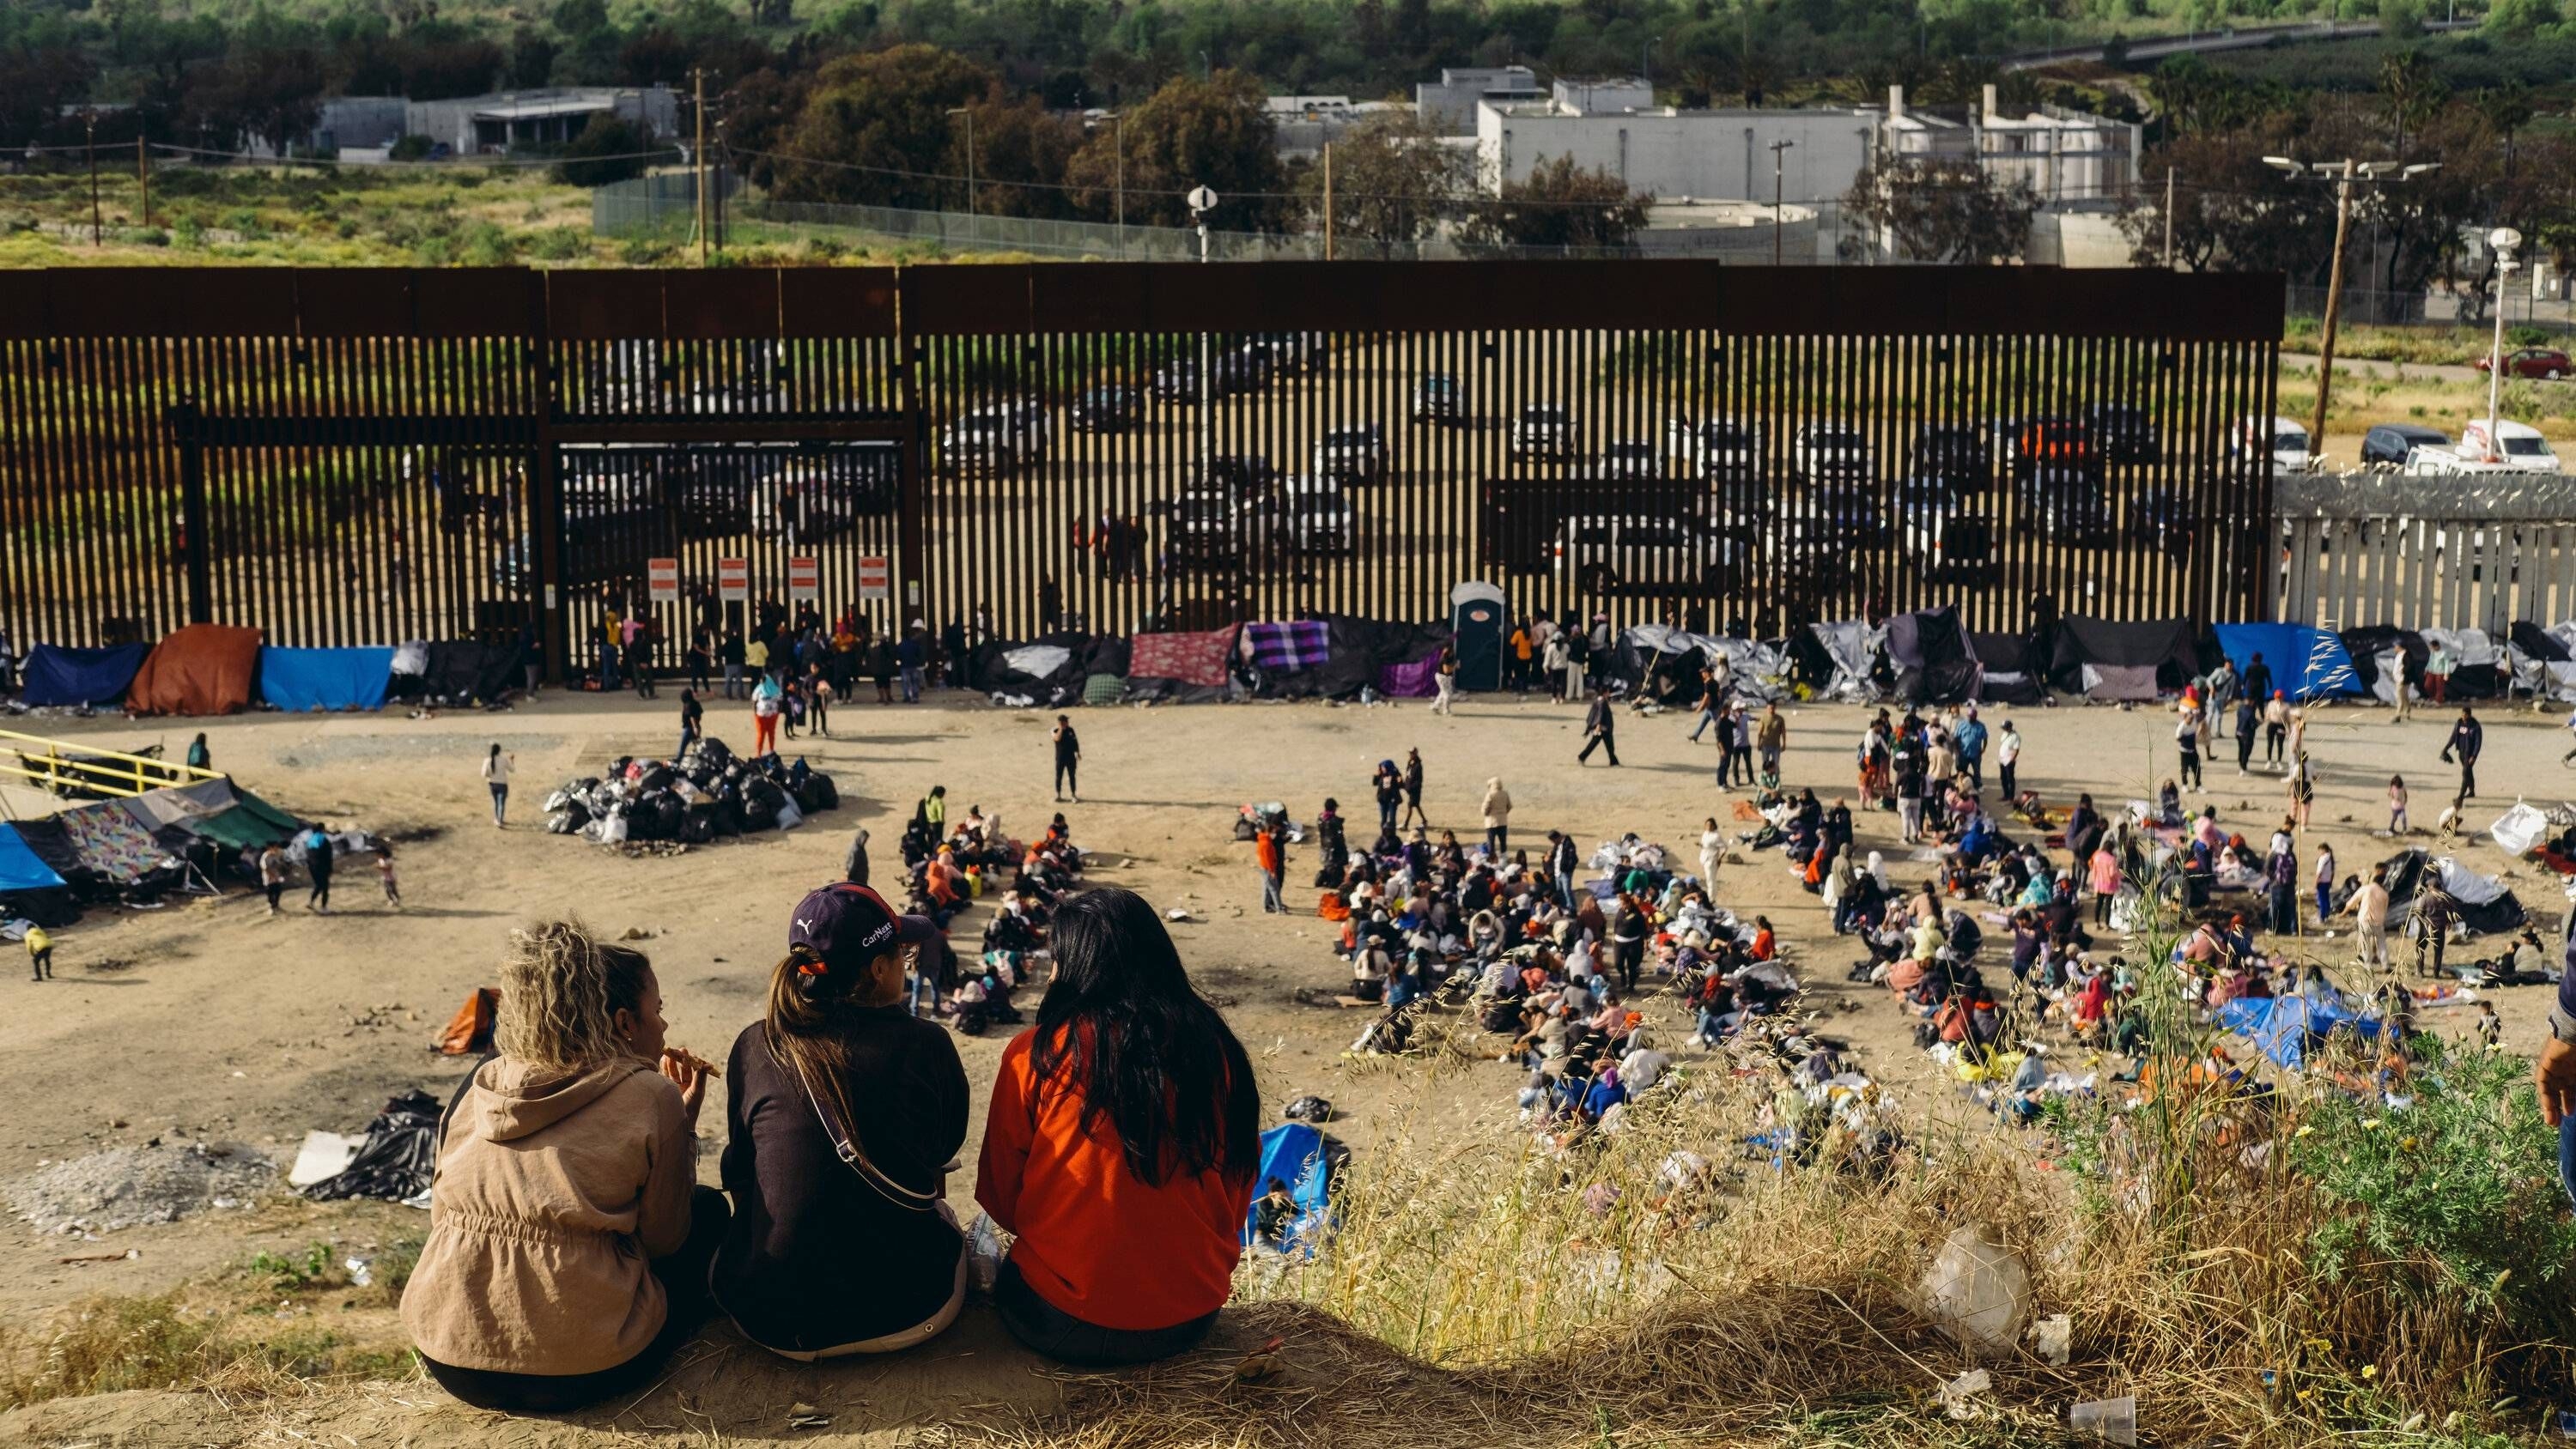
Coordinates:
<point>969,113</point>
<point>1202,200</point>
<point>97,230</point>
<point>1779,223</point>
<point>2504,239</point>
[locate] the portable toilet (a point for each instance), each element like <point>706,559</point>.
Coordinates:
<point>1479,619</point>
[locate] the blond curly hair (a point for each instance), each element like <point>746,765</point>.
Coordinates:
<point>561,990</point>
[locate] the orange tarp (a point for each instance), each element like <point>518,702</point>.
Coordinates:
<point>202,669</point>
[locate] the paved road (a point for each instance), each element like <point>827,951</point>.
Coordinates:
<point>2393,371</point>
<point>2246,38</point>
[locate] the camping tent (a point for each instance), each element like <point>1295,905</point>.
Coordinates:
<point>202,669</point>
<point>2542,663</point>
<point>2306,661</point>
<point>2287,1027</point>
<point>305,679</point>
<point>1303,1158</point>
<point>21,869</point>
<point>2477,665</point>
<point>56,676</point>
<point>2101,659</point>
<point>1479,619</point>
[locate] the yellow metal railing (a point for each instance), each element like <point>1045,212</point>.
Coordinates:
<point>55,764</point>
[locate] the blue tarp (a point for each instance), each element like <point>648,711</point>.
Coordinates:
<point>59,676</point>
<point>2306,661</point>
<point>2283,1027</point>
<point>1294,1153</point>
<point>301,679</point>
<point>20,868</point>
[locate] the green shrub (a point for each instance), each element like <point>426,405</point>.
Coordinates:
<point>486,245</point>
<point>412,148</point>
<point>559,244</point>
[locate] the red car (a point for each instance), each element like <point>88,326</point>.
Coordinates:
<point>2542,362</point>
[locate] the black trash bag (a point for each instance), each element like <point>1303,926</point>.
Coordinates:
<point>698,824</point>
<point>396,1160</point>
<point>1308,1109</point>
<point>656,777</point>
<point>1243,828</point>
<point>567,821</point>
<point>826,791</point>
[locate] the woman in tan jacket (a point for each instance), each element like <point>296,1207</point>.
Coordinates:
<point>568,1239</point>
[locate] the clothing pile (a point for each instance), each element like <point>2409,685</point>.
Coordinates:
<point>709,794</point>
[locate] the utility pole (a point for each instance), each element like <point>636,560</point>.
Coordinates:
<point>1118,141</point>
<point>97,229</point>
<point>1778,222</point>
<point>143,174</point>
<point>1328,201</point>
<point>2169,190</point>
<point>2343,174</point>
<point>1201,201</point>
<point>969,113</point>
<point>698,162</point>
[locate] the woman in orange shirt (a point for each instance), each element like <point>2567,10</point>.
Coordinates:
<point>1124,1134</point>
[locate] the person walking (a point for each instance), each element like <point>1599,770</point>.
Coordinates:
<point>854,866</point>
<point>2258,678</point>
<point>385,876</point>
<point>40,953</point>
<point>701,659</point>
<point>1444,678</point>
<point>1712,710</point>
<point>1773,739</point>
<point>1740,743</point>
<point>1968,741</point>
<point>2435,910</point>
<point>1498,815</point>
<point>2396,805</point>
<point>1712,851</point>
<point>1270,848</point>
<point>1628,938</point>
<point>2468,738</point>
<point>693,723</point>
<point>731,653</point>
<point>272,873</point>
<point>199,757</point>
<point>2187,742</point>
<point>2437,673</point>
<point>2303,790</point>
<point>1413,811</point>
<point>496,774</point>
<point>1389,784</point>
<point>2248,712</point>
<point>2276,723</point>
<point>2369,911</point>
<point>2221,695</point>
<point>317,865</point>
<point>2007,762</point>
<point>1068,759</point>
<point>1553,659</point>
<point>2281,872</point>
<point>1600,729</point>
<point>2325,878</point>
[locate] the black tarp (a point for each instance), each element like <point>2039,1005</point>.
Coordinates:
<point>2007,676</point>
<point>2537,643</point>
<point>2406,873</point>
<point>2366,644</point>
<point>465,671</point>
<point>1933,662</point>
<point>1810,663</point>
<point>1356,650</point>
<point>2164,644</point>
<point>989,669</point>
<point>395,1161</point>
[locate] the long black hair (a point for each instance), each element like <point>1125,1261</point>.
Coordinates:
<point>1125,1028</point>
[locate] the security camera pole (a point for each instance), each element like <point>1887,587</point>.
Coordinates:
<point>1202,201</point>
<point>2503,239</point>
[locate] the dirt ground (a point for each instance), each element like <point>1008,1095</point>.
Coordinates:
<point>208,1019</point>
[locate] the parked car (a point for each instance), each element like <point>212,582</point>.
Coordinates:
<point>2126,434</point>
<point>1356,453</point>
<point>1212,522</point>
<point>1289,352</point>
<point>1543,430</point>
<point>1601,552</point>
<point>2393,444</point>
<point>1435,398</point>
<point>2285,440</point>
<point>2160,519</point>
<point>1315,515</point>
<point>1628,458</point>
<point>2063,504</point>
<point>1110,409</point>
<point>1177,381</point>
<point>1002,437</point>
<point>1839,513</point>
<point>1718,449</point>
<point>2511,448</point>
<point>1955,454</point>
<point>2054,443</point>
<point>1830,450</point>
<point>1939,533</point>
<point>1245,476</point>
<point>2542,362</point>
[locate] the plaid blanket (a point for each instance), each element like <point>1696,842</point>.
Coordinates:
<point>1301,645</point>
<point>1183,658</point>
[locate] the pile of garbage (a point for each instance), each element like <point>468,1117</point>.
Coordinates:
<point>123,1186</point>
<point>711,794</point>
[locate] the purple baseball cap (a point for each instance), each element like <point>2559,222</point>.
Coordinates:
<point>850,925</point>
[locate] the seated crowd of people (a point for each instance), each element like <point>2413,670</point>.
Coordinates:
<point>947,867</point>
<point>571,1247</point>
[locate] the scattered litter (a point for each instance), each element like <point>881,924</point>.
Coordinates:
<point>128,1254</point>
<point>1978,1291</point>
<point>2113,1421</point>
<point>361,1272</point>
<point>1955,1394</point>
<point>801,1415</point>
<point>636,933</point>
<point>2053,1335</point>
<point>124,1186</point>
<point>1262,1363</point>
<point>1309,1108</point>
<point>394,1159</point>
<point>1176,914</point>
<point>323,1155</point>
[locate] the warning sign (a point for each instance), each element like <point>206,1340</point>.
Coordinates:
<point>804,578</point>
<point>875,579</point>
<point>733,579</point>
<point>662,580</point>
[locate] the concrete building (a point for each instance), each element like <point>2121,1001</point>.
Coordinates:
<point>2071,158</point>
<point>1732,231</point>
<point>1721,154</point>
<point>493,124</point>
<point>1301,125</point>
<point>1449,103</point>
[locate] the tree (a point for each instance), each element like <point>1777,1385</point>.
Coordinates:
<point>1559,206</point>
<point>875,129</point>
<point>606,152</point>
<point>1215,133</point>
<point>2231,212</point>
<point>1395,179</point>
<point>271,94</point>
<point>2410,92</point>
<point>1021,150</point>
<point>1945,211</point>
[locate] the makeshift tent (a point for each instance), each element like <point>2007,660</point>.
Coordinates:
<point>21,869</point>
<point>1850,652</point>
<point>182,805</point>
<point>56,677</point>
<point>1417,680</point>
<point>2542,662</point>
<point>2005,672</point>
<point>2287,1028</point>
<point>1186,659</point>
<point>2486,907</point>
<point>462,671</point>
<point>1048,673</point>
<point>306,679</point>
<point>469,1031</point>
<point>2306,661</point>
<point>1358,653</point>
<point>1666,663</point>
<point>1301,644</point>
<point>1307,1161</point>
<point>1479,619</point>
<point>1932,659</point>
<point>2477,665</point>
<point>251,824</point>
<point>2366,646</point>
<point>2105,660</point>
<point>114,841</point>
<point>202,669</point>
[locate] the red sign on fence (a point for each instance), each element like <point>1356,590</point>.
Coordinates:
<point>662,580</point>
<point>875,579</point>
<point>733,579</point>
<point>804,578</point>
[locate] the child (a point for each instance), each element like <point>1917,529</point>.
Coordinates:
<point>792,710</point>
<point>2397,804</point>
<point>2490,1027</point>
<point>40,953</point>
<point>385,878</point>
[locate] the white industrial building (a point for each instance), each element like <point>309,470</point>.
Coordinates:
<point>1448,105</point>
<point>2070,158</point>
<point>494,124</point>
